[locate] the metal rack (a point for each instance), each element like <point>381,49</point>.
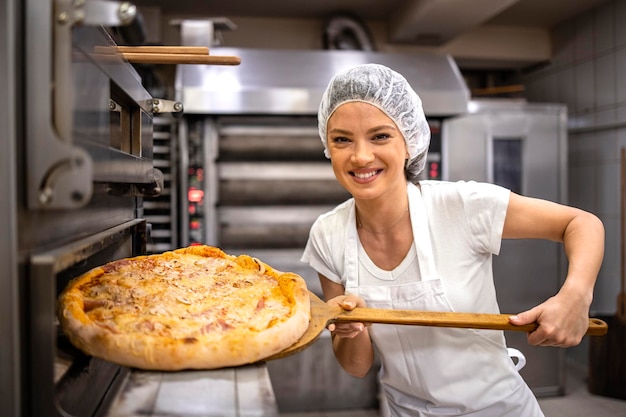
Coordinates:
<point>161,211</point>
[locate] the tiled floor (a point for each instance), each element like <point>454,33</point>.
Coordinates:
<point>577,402</point>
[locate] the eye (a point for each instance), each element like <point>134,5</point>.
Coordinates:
<point>339,139</point>
<point>381,137</point>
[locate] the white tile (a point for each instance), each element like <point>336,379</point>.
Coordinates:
<point>582,148</point>
<point>620,74</point>
<point>605,117</point>
<point>581,182</point>
<point>607,145</point>
<point>581,118</point>
<point>621,114</point>
<point>620,28</point>
<point>567,91</point>
<point>607,286</point>
<point>604,28</point>
<point>607,189</point>
<point>604,76</point>
<point>621,136</point>
<point>585,86</point>
<point>583,43</point>
<point>563,40</point>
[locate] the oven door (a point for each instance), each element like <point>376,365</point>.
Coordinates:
<point>84,166</point>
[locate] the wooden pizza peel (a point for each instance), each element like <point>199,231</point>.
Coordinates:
<point>323,314</point>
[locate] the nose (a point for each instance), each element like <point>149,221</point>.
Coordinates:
<point>363,153</point>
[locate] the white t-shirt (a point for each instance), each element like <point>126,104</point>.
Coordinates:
<point>465,220</point>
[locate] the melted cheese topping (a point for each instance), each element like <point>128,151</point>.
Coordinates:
<point>183,297</point>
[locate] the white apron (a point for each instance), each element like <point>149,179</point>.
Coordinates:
<point>430,371</point>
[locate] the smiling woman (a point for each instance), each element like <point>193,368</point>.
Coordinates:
<point>406,243</point>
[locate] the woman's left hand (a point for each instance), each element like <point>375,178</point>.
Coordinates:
<point>563,320</point>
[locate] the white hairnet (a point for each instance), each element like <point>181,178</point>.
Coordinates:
<point>390,92</point>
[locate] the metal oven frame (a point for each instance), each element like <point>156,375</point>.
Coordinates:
<point>75,163</point>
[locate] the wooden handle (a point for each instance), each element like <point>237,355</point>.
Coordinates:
<point>449,319</point>
<point>192,50</point>
<point>167,55</point>
<point>139,58</point>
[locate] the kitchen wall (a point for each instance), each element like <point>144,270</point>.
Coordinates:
<point>588,74</point>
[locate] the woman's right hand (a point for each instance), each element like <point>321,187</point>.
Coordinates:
<point>351,342</point>
<point>347,330</point>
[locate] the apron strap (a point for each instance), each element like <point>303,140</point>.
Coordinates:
<point>421,234</point>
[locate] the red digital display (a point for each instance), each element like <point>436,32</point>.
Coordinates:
<point>194,195</point>
<point>433,170</point>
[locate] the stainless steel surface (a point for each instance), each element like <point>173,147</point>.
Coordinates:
<point>243,391</point>
<point>108,13</point>
<point>10,352</point>
<point>268,227</point>
<point>276,170</point>
<point>271,215</point>
<point>265,181</point>
<point>313,381</point>
<point>292,82</point>
<point>526,272</point>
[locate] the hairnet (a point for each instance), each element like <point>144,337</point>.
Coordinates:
<point>391,93</point>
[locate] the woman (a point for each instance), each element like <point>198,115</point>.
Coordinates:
<point>427,245</point>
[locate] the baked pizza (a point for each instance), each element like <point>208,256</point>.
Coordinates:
<point>191,308</point>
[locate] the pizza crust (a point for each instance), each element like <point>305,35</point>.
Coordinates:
<point>237,346</point>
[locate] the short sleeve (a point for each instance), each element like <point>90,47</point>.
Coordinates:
<point>325,250</point>
<point>485,207</point>
<point>317,252</point>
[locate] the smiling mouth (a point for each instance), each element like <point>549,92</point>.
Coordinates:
<point>365,175</point>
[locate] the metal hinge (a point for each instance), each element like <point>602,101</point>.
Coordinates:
<point>159,105</point>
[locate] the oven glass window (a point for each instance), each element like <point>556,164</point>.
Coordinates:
<point>507,163</point>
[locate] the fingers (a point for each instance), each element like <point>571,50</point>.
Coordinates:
<point>538,337</point>
<point>562,331</point>
<point>547,335</point>
<point>347,302</point>
<point>346,330</point>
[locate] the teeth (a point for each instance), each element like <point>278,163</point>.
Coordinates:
<point>367,175</point>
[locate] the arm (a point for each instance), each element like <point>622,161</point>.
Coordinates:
<point>563,318</point>
<point>351,341</point>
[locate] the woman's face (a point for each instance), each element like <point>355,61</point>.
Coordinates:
<point>367,150</point>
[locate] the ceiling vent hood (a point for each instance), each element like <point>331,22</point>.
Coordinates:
<point>435,22</point>
<point>286,82</point>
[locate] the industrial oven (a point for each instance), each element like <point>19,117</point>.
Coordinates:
<point>77,163</point>
<point>256,180</point>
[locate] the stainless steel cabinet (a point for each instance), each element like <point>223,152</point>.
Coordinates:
<point>522,147</point>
